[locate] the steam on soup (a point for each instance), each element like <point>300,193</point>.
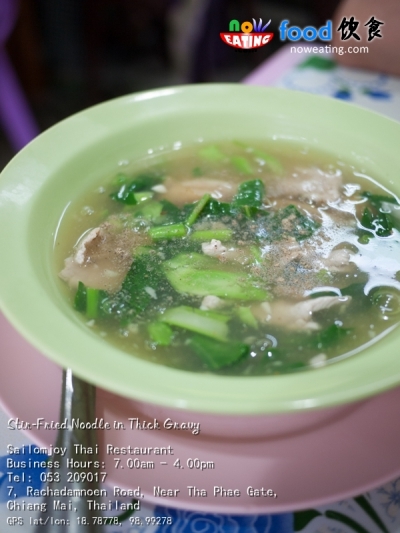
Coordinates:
<point>236,259</point>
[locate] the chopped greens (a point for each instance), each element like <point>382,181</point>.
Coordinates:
<point>217,354</point>
<point>88,300</point>
<point>246,316</point>
<point>134,297</point>
<point>80,298</point>
<point>378,216</point>
<point>198,321</point>
<point>329,336</point>
<point>142,182</point>
<point>230,277</point>
<point>170,231</point>
<point>191,279</point>
<point>149,210</point>
<point>160,333</point>
<point>92,302</point>
<point>380,223</point>
<point>217,209</point>
<point>170,211</point>
<point>207,235</point>
<point>271,162</point>
<point>200,205</point>
<point>378,199</point>
<point>250,193</point>
<point>242,165</point>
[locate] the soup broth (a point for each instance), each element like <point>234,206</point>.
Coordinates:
<point>235,258</point>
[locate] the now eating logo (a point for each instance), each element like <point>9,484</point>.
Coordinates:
<point>252,35</point>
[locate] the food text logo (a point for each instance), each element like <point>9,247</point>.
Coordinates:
<point>309,33</point>
<point>247,35</point>
<point>348,28</point>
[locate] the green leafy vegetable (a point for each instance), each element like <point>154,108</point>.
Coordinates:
<point>170,210</point>
<point>253,213</point>
<point>200,205</point>
<point>160,333</point>
<point>126,193</point>
<point>80,298</point>
<point>194,280</point>
<point>88,300</point>
<point>380,223</point>
<point>149,210</point>
<point>207,235</point>
<point>242,165</point>
<point>327,337</point>
<point>319,341</point>
<point>143,196</point>
<point>250,193</point>
<point>134,296</point>
<point>171,231</point>
<point>217,209</point>
<point>196,320</point>
<point>376,199</point>
<point>375,216</point>
<point>92,302</point>
<point>193,260</point>
<point>217,354</point>
<point>271,162</point>
<point>246,317</point>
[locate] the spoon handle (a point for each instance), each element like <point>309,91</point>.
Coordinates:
<point>73,514</point>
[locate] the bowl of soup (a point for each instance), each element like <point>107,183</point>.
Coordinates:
<point>225,250</point>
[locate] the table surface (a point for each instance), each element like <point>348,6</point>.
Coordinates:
<point>377,511</point>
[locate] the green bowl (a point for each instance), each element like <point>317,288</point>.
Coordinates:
<point>67,159</point>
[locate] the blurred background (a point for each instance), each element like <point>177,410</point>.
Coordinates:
<point>60,56</point>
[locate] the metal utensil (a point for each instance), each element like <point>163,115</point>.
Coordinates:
<point>73,514</point>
